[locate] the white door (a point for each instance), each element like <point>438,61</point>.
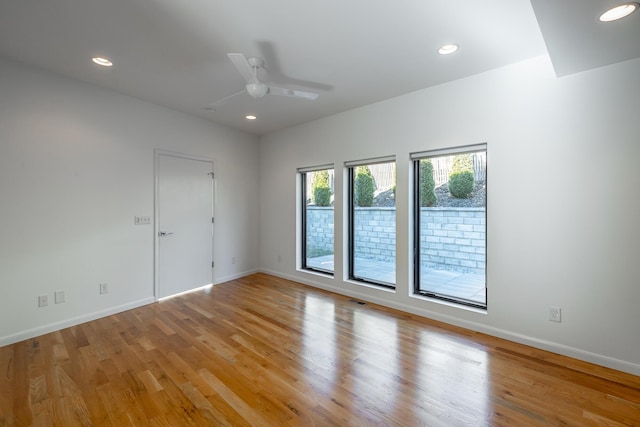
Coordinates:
<point>185,230</point>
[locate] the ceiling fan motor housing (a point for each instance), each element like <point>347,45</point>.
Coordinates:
<point>257,90</point>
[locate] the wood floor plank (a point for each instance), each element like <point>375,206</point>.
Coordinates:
<point>266,351</point>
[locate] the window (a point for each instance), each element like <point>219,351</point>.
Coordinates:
<point>317,218</point>
<point>372,221</point>
<point>450,198</point>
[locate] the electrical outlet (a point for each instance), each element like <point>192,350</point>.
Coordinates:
<point>58,297</point>
<point>279,258</point>
<point>104,288</point>
<point>43,301</point>
<point>233,260</point>
<point>555,314</point>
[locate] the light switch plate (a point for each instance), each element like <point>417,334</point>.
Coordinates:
<point>142,220</point>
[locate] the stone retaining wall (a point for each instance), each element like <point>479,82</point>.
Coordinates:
<point>450,237</point>
<point>319,230</point>
<point>453,237</point>
<point>375,233</point>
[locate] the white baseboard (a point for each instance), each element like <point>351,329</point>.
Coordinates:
<point>52,327</point>
<point>554,347</point>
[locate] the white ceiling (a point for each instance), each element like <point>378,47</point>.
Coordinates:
<point>353,53</point>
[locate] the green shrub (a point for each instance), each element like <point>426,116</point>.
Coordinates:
<point>461,184</point>
<point>322,196</point>
<point>320,188</point>
<point>427,184</point>
<point>363,187</point>
<point>461,179</point>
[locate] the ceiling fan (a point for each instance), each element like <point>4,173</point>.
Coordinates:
<point>248,68</point>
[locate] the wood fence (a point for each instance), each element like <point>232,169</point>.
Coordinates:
<point>384,173</point>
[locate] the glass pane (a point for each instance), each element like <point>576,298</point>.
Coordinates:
<point>374,223</point>
<point>452,221</point>
<point>319,220</point>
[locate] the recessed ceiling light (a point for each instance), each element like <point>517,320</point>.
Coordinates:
<point>250,117</point>
<point>102,61</point>
<point>619,12</point>
<point>448,49</point>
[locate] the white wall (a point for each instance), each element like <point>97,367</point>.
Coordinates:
<point>563,205</point>
<point>76,165</point>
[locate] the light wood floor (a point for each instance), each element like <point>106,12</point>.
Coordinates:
<point>269,352</point>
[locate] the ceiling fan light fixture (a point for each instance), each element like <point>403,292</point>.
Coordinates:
<point>102,61</point>
<point>248,69</point>
<point>448,49</point>
<point>619,12</point>
<point>257,90</point>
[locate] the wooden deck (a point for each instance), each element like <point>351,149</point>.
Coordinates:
<point>264,351</point>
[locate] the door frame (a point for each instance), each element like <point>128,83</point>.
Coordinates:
<point>156,211</point>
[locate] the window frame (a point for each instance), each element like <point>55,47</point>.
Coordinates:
<point>416,158</point>
<point>302,173</point>
<point>350,172</point>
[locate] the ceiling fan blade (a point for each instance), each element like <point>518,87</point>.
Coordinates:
<point>219,103</point>
<point>293,93</point>
<point>243,67</point>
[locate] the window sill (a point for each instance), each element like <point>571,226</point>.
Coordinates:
<point>371,286</point>
<point>316,273</point>
<point>450,304</point>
